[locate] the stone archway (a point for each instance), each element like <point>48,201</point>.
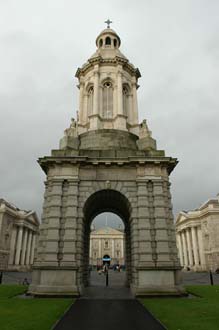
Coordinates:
<point>107,164</point>
<point>107,200</point>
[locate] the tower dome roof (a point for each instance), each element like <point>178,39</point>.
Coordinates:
<point>106,32</point>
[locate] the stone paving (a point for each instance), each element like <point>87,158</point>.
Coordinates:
<point>191,278</point>
<point>16,277</point>
<point>113,314</point>
<point>116,279</point>
<point>116,288</point>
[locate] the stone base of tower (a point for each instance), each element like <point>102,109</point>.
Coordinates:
<point>54,281</point>
<point>154,282</point>
<point>62,282</point>
<point>114,171</point>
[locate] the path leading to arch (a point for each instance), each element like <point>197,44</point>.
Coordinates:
<point>115,290</point>
<point>108,308</point>
<point>108,314</point>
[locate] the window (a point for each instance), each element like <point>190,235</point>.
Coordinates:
<point>90,100</point>
<point>106,244</point>
<point>115,42</point>
<point>108,41</point>
<point>101,43</point>
<point>107,100</point>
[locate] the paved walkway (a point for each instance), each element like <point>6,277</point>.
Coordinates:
<point>116,288</point>
<point>108,315</point>
<point>108,308</point>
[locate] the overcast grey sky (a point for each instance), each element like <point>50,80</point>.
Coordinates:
<point>174,43</point>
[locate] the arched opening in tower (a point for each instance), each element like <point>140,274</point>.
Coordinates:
<point>107,233</point>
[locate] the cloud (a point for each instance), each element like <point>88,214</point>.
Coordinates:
<point>175,45</point>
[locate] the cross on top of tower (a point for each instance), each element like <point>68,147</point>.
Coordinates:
<point>108,22</point>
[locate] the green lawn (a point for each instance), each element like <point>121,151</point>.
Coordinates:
<point>200,313</point>
<point>28,314</point>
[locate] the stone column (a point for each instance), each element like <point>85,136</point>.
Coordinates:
<point>119,93</point>
<point>179,239</point>
<point>18,246</point>
<point>32,248</point>
<point>90,252</point>
<point>134,104</point>
<point>184,250</point>
<point>96,91</point>
<point>201,250</point>
<point>70,225</point>
<point>189,247</point>
<point>122,251</point>
<point>27,261</point>
<point>144,219</point>
<point>81,103</point>
<point>100,241</point>
<point>195,246</point>
<point>51,228</point>
<point>113,248</point>
<point>12,245</point>
<point>85,108</point>
<point>24,246</point>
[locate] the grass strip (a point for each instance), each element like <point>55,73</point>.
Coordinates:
<point>25,314</point>
<point>198,313</point>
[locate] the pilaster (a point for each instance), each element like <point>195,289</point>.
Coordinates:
<point>201,250</point>
<point>24,246</point>
<point>32,248</point>
<point>179,238</point>
<point>12,245</point>
<point>184,250</point>
<point>29,240</point>
<point>18,245</point>
<point>195,246</point>
<point>134,103</point>
<point>69,223</point>
<point>143,245</point>
<point>189,247</point>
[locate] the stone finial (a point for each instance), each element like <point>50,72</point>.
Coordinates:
<point>143,130</point>
<point>72,130</point>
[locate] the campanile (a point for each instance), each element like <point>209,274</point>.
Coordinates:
<point>107,162</point>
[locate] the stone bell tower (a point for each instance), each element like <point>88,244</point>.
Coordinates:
<point>107,161</point>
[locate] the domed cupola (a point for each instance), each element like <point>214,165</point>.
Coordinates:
<point>108,88</point>
<point>108,38</point>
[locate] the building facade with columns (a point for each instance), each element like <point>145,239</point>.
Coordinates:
<point>18,236</point>
<point>197,234</point>
<point>106,241</point>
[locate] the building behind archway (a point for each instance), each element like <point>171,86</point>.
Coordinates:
<point>107,241</point>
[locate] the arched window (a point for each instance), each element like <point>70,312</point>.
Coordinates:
<point>90,100</point>
<point>101,43</point>
<point>125,93</point>
<point>115,42</point>
<point>108,41</point>
<point>107,100</point>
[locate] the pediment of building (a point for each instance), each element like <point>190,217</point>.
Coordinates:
<point>107,231</point>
